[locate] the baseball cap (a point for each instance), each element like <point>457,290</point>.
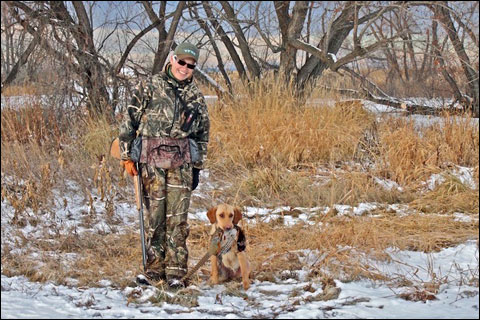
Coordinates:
<point>186,50</point>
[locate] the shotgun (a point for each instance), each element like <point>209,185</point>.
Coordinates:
<point>137,181</point>
<point>139,197</point>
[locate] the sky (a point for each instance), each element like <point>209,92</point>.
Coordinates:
<point>291,296</point>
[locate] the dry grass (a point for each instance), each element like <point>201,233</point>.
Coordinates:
<point>87,258</point>
<point>270,143</point>
<point>411,156</point>
<point>20,90</point>
<point>342,242</point>
<point>43,150</point>
<point>269,127</point>
<point>266,149</point>
<point>449,197</point>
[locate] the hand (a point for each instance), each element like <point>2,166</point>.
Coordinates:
<point>129,166</point>
<point>195,178</point>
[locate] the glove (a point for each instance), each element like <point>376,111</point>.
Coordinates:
<point>195,178</point>
<point>129,166</point>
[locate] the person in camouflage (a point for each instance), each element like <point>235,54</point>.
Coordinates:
<point>170,115</point>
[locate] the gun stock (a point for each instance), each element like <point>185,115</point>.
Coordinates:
<point>137,191</point>
<point>115,149</point>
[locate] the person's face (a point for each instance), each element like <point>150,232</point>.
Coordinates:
<point>182,68</point>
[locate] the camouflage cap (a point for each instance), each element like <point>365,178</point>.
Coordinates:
<point>186,50</point>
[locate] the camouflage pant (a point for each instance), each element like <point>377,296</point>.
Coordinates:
<point>167,198</point>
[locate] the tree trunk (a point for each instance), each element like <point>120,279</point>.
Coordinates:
<point>85,52</point>
<point>221,66</point>
<point>226,41</point>
<point>252,65</point>
<point>340,29</point>
<point>12,74</point>
<point>292,30</point>
<point>443,14</point>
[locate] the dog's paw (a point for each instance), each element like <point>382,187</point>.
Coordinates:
<point>246,284</point>
<point>213,281</point>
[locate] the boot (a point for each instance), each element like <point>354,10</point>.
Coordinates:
<point>154,269</point>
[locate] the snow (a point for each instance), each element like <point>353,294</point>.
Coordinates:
<point>463,174</point>
<point>451,272</point>
<point>23,299</point>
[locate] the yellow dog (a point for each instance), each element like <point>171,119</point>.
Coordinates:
<point>232,261</point>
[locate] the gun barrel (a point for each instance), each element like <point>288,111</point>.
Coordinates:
<point>139,198</point>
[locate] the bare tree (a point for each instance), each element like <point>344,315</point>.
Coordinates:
<point>228,43</point>
<point>442,12</point>
<point>221,66</point>
<point>297,39</point>
<point>165,39</point>
<point>349,18</point>
<point>75,35</point>
<point>290,29</point>
<point>69,39</point>
<point>251,63</point>
<point>13,42</point>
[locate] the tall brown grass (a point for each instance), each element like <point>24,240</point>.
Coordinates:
<point>44,148</point>
<point>267,126</point>
<point>343,244</point>
<point>20,90</point>
<point>410,155</point>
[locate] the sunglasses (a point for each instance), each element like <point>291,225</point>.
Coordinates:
<point>183,63</point>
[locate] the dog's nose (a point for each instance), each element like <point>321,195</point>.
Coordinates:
<point>228,228</point>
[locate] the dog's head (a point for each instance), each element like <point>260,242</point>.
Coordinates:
<point>224,216</point>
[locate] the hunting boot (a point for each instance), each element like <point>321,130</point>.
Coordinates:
<point>155,267</point>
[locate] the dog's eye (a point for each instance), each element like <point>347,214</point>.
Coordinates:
<point>222,215</point>
<point>231,215</point>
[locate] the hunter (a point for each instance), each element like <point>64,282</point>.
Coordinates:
<point>163,137</point>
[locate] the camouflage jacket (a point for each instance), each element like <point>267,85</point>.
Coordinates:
<point>156,111</point>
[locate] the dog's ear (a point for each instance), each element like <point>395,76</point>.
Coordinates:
<point>237,215</point>
<point>212,215</point>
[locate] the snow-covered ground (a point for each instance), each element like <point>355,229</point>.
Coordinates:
<point>22,299</point>
<point>359,299</point>
<point>454,270</point>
